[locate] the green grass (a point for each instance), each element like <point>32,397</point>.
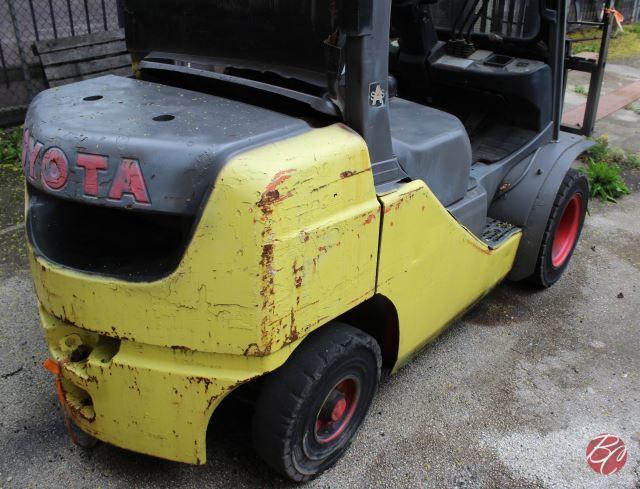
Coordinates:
<point>605,181</point>
<point>581,90</point>
<point>10,149</point>
<point>604,169</point>
<point>625,45</point>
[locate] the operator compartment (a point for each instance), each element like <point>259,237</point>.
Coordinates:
<point>118,170</point>
<point>483,62</point>
<point>517,80</point>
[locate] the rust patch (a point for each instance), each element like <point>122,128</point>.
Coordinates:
<point>211,401</point>
<point>267,278</point>
<point>75,411</point>
<point>201,380</point>
<point>279,179</point>
<point>254,350</point>
<point>297,274</point>
<point>343,175</point>
<point>370,219</point>
<point>272,196</point>
<point>293,334</point>
<point>353,173</point>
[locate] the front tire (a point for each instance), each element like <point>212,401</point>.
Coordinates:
<point>310,409</point>
<point>563,229</point>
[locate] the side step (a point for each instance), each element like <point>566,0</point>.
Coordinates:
<point>497,232</point>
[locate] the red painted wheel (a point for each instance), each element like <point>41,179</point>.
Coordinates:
<point>337,411</point>
<point>567,232</point>
<point>563,229</point>
<point>310,409</point>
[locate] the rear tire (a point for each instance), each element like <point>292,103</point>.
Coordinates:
<point>563,229</point>
<point>310,409</point>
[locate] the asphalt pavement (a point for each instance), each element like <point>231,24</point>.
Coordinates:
<point>509,397</point>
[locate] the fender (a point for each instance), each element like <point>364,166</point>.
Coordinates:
<point>529,204</point>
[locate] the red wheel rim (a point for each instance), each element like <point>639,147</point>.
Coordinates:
<point>567,232</point>
<point>337,410</point>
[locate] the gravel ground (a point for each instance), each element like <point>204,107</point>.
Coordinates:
<point>508,397</point>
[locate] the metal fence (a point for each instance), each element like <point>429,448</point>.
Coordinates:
<point>23,22</point>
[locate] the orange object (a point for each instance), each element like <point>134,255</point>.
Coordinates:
<point>619,17</point>
<point>54,367</point>
<point>51,366</point>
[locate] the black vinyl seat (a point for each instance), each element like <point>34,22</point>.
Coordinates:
<point>433,146</point>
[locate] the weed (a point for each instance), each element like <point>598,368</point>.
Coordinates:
<point>10,149</point>
<point>600,150</point>
<point>633,161</point>
<point>604,166</point>
<point>617,156</point>
<point>634,107</point>
<point>581,90</point>
<point>606,181</point>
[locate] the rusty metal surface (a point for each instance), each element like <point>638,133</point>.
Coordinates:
<point>285,234</point>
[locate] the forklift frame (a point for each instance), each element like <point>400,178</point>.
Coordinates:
<point>188,241</point>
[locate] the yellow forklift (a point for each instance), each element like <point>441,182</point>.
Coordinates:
<point>294,196</point>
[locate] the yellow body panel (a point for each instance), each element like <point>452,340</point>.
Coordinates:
<point>288,240</point>
<point>284,244</point>
<point>431,267</point>
<point>147,398</point>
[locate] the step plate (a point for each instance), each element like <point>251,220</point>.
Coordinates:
<point>497,232</point>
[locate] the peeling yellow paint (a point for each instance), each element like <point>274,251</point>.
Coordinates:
<point>281,249</point>
<point>288,241</point>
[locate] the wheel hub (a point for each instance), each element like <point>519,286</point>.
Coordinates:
<point>567,232</point>
<point>337,410</point>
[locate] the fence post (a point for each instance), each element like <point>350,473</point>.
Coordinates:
<point>120,11</point>
<point>23,60</point>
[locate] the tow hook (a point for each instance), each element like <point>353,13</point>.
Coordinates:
<point>87,440</point>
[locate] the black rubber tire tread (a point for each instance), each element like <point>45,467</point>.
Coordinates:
<point>544,275</point>
<point>284,393</point>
